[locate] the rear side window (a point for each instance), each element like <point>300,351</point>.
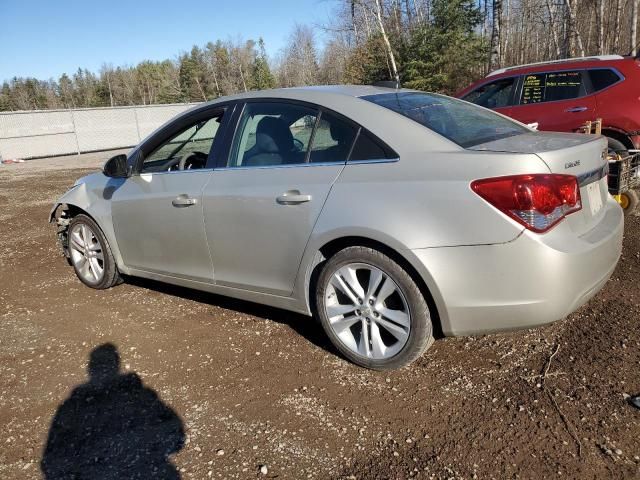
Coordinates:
<point>332,140</point>
<point>367,147</point>
<point>271,134</point>
<point>552,86</point>
<point>493,95</point>
<point>461,122</point>
<point>603,78</point>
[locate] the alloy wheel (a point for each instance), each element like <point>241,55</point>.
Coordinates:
<point>367,311</point>
<point>86,253</point>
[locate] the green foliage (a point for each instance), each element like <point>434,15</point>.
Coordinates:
<point>367,63</point>
<point>262,78</point>
<point>444,54</point>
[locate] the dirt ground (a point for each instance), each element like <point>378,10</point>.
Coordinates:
<point>227,388</point>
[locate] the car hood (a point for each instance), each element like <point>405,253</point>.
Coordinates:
<point>535,142</point>
<point>92,178</point>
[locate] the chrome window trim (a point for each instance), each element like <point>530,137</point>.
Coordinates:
<point>377,160</point>
<point>316,164</point>
<point>174,171</point>
<point>286,165</point>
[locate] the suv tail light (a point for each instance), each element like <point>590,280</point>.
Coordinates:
<point>537,201</point>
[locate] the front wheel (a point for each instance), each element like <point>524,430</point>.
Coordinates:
<point>372,310</point>
<point>90,254</point>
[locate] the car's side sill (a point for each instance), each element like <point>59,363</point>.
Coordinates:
<point>286,303</point>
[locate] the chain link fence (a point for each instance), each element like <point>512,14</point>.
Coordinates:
<point>46,133</point>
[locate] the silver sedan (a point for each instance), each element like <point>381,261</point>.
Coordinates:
<point>392,215</point>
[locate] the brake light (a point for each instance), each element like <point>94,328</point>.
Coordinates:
<point>537,201</point>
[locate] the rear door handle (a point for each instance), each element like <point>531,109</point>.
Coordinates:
<point>183,201</point>
<point>293,197</point>
<point>576,109</point>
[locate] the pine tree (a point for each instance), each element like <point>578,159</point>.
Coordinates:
<point>262,78</point>
<point>444,54</point>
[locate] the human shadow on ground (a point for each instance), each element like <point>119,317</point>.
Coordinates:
<point>112,427</point>
<point>307,327</point>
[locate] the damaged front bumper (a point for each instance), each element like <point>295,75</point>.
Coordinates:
<point>61,216</point>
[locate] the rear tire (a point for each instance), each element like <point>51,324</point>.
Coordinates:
<point>616,148</point>
<point>90,254</point>
<point>372,310</point>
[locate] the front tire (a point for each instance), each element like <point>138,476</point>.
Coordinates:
<point>372,310</point>
<point>90,254</point>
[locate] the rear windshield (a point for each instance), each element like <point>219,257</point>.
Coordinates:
<point>461,122</point>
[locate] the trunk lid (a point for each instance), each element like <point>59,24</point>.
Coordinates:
<point>583,156</point>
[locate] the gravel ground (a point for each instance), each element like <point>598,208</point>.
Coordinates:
<point>210,387</point>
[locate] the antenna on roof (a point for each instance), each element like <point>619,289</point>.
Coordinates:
<point>388,84</point>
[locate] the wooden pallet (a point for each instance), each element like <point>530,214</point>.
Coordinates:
<point>592,127</point>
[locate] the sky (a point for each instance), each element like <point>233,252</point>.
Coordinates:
<point>45,38</point>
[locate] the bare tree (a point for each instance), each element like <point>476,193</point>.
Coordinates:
<point>600,26</point>
<point>634,27</point>
<point>387,44</point>
<point>496,57</point>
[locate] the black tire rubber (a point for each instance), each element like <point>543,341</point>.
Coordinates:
<point>111,274</point>
<point>617,147</point>
<point>421,333</point>
<point>633,199</point>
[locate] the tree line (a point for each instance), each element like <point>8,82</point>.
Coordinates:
<point>436,45</point>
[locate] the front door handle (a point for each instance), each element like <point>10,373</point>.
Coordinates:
<point>183,201</point>
<point>293,197</point>
<point>576,109</point>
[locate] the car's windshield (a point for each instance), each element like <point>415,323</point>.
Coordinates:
<point>461,122</point>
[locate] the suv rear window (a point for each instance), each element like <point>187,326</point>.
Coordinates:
<point>461,122</point>
<point>603,78</point>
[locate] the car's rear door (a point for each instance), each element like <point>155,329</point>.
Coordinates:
<point>556,101</point>
<point>262,203</point>
<point>157,212</point>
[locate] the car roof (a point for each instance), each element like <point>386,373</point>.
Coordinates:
<point>392,128</point>
<point>313,94</point>
<point>580,62</point>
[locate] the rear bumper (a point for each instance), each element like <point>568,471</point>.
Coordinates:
<point>533,280</point>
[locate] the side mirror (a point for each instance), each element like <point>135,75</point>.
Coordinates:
<point>116,167</point>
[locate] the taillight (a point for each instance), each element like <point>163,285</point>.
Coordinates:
<point>537,201</point>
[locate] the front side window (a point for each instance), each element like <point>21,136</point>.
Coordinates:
<point>271,134</point>
<point>186,150</point>
<point>493,95</point>
<point>552,86</point>
<point>461,122</point>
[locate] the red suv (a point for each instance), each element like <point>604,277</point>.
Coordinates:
<point>562,95</point>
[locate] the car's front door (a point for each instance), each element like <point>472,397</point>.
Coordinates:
<point>261,205</point>
<point>556,101</point>
<point>157,212</point>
